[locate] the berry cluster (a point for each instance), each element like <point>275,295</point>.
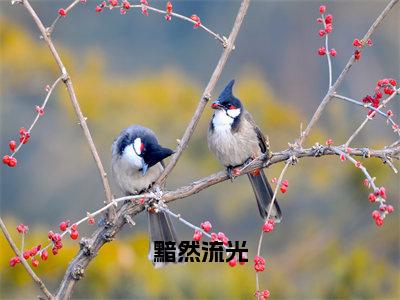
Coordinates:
<point>284,186</point>
<point>327,22</point>
<point>262,295</point>
<point>259,263</point>
<point>358,46</point>
<point>384,209</point>
<point>268,226</point>
<point>384,86</point>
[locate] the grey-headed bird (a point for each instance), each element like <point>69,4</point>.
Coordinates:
<point>235,139</point>
<point>137,162</point>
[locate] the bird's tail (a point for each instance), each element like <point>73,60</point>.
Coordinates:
<point>264,194</point>
<point>161,231</point>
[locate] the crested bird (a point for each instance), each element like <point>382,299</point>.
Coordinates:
<point>235,139</point>
<point>137,162</point>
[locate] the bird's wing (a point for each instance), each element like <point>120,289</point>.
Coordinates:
<point>262,139</point>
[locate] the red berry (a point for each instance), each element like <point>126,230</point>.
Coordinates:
<point>232,262</point>
<point>44,255</point>
<point>62,12</point>
<point>6,159</point>
<point>371,197</point>
<point>33,251</point>
<point>322,9</point>
<point>12,145</point>
<point>98,9</point>
<point>21,228</point>
<point>329,142</point>
<point>39,110</point>
<point>376,215</point>
<point>197,235</point>
<point>54,250</point>
<point>392,82</point>
<point>369,42</point>
<point>74,227</point>
<point>63,226</point>
<point>328,19</point>
<point>328,28</point>
<point>357,43</point>
<point>321,33</point>
<point>389,113</point>
<point>113,2</point>
<point>12,162</point>
<point>168,17</point>
<point>13,261</point>
<point>319,20</point>
<point>382,192</point>
<point>126,5</point>
<point>389,209</point>
<point>342,157</point>
<point>74,234</point>
<point>196,19</point>
<point>332,52</point>
<point>283,189</point>
<point>388,90</point>
<point>358,164</point>
<point>26,254</point>
<point>206,226</point>
<point>90,220</point>
<point>268,227</point>
<point>35,262</point>
<point>357,54</point>
<point>214,237</point>
<point>264,295</point>
<point>169,7</point>
<point>322,51</point>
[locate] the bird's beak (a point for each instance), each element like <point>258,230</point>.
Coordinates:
<point>216,105</point>
<point>144,168</point>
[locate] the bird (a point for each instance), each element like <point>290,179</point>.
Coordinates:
<point>235,139</point>
<point>137,162</point>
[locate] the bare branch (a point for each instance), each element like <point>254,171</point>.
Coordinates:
<point>49,30</point>
<point>28,268</point>
<point>207,92</point>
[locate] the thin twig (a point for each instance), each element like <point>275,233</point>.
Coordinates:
<point>182,17</point>
<point>27,267</point>
<point>75,104</point>
<point>339,80</point>
<point>38,114</point>
<point>49,30</point>
<point>359,128</point>
<point>278,184</point>
<point>206,94</point>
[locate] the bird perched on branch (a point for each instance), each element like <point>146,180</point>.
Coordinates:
<point>137,162</point>
<point>235,139</point>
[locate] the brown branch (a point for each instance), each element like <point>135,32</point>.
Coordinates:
<point>332,90</point>
<point>74,101</point>
<point>207,93</point>
<point>90,247</point>
<point>28,268</point>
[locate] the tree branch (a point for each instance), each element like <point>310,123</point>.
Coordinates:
<point>332,90</point>
<point>207,93</point>
<point>27,267</point>
<point>75,103</point>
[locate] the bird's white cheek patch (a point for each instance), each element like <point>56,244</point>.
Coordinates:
<point>131,157</point>
<point>138,145</point>
<point>225,118</point>
<point>233,113</point>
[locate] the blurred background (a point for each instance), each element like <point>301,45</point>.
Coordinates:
<point>131,69</point>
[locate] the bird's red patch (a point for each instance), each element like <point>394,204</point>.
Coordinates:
<point>256,172</point>
<point>232,107</point>
<point>141,147</point>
